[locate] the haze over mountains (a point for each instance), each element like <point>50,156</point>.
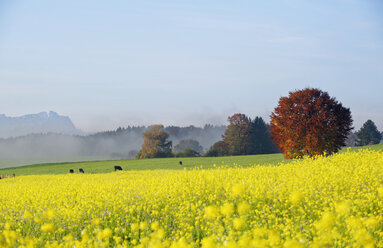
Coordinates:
<point>42,122</point>
<point>50,137</point>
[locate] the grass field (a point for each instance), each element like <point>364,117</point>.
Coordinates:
<point>144,164</point>
<point>16,162</point>
<point>151,164</point>
<point>372,147</point>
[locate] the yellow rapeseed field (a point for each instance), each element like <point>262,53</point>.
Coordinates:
<point>334,201</point>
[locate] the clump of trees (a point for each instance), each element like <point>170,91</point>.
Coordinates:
<point>188,148</point>
<point>187,153</point>
<point>156,143</point>
<point>309,122</point>
<point>219,149</point>
<point>368,134</point>
<point>244,136</point>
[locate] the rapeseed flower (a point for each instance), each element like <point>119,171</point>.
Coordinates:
<point>333,201</point>
<point>227,209</point>
<point>48,227</point>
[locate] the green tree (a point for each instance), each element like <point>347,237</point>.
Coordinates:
<point>259,141</point>
<point>188,144</point>
<point>244,136</point>
<point>219,149</point>
<point>236,135</point>
<point>156,143</point>
<point>188,153</point>
<point>368,134</point>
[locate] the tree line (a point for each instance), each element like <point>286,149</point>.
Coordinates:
<point>307,122</point>
<point>243,136</point>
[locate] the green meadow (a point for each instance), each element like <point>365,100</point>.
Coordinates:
<point>159,163</point>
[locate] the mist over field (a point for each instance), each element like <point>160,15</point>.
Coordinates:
<point>49,137</point>
<point>122,143</point>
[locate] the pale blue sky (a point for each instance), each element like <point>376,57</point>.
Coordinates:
<point>117,63</point>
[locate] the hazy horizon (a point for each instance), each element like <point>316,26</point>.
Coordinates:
<point>107,64</point>
<point>225,123</point>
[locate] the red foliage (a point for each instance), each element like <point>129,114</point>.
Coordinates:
<point>309,122</point>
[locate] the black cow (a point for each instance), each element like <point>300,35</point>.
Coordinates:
<point>180,163</point>
<point>71,171</point>
<point>80,170</point>
<point>116,168</point>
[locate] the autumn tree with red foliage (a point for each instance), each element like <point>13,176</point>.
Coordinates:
<point>309,122</point>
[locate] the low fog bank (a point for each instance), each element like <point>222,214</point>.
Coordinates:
<point>122,143</point>
<point>16,162</point>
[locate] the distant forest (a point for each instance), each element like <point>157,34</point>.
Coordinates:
<point>122,143</point>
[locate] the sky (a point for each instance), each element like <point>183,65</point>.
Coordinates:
<point>117,63</point>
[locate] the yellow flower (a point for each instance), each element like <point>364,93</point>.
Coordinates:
<point>105,234</point>
<point>227,209</point>
<point>238,189</point>
<point>274,238</point>
<point>372,222</point>
<point>155,226</point>
<point>48,228</point>
<point>290,243</point>
<point>343,208</point>
<point>49,214</point>
<point>228,206</point>
<point>364,238</point>
<point>327,222</point>
<point>212,212</point>
<point>68,238</point>
<point>37,220</point>
<point>143,225</point>
<point>380,191</point>
<point>296,197</point>
<point>159,234</point>
<point>96,221</point>
<point>135,227</point>
<point>243,208</point>
<point>239,223</point>
<point>27,215</point>
<point>208,242</point>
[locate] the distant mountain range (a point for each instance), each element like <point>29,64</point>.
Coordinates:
<point>36,123</point>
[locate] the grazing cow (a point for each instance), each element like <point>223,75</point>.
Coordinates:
<point>71,171</point>
<point>116,168</point>
<point>180,163</point>
<point>80,170</point>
